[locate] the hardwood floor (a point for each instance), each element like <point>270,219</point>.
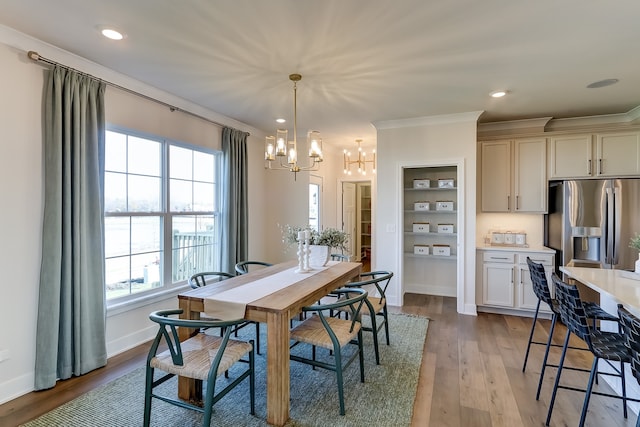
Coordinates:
<point>470,376</point>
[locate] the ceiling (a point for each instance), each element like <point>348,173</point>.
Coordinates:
<point>361,61</point>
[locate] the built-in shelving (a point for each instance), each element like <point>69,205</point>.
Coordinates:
<point>429,273</point>
<point>363,194</point>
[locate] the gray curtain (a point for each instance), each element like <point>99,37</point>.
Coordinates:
<point>70,338</point>
<point>235,233</point>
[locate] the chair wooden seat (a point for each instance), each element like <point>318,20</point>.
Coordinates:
<point>312,331</point>
<point>197,354</point>
<point>323,330</point>
<point>202,358</point>
<point>375,303</point>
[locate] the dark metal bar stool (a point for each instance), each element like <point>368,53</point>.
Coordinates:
<point>631,330</point>
<point>541,288</point>
<point>608,346</point>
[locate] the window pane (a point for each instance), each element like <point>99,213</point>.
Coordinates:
<point>181,196</point>
<point>194,247</point>
<point>203,197</point>
<point>115,192</point>
<point>116,236</point>
<point>181,163</point>
<point>144,194</point>
<point>144,156</point>
<point>145,272</point>
<point>115,152</point>
<point>203,165</point>
<point>145,234</point>
<point>117,274</point>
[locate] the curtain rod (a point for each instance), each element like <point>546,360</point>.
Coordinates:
<point>35,56</point>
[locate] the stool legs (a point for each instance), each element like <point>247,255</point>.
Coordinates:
<point>557,382</point>
<point>554,319</point>
<point>533,328</point>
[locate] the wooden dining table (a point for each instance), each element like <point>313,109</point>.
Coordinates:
<point>275,309</point>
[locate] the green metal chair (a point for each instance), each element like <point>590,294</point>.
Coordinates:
<point>322,330</point>
<point>376,283</point>
<point>203,279</point>
<point>202,357</point>
<point>339,257</point>
<point>211,277</point>
<point>244,266</point>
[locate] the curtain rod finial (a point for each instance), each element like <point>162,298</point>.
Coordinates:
<point>33,55</point>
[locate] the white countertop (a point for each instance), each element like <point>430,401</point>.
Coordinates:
<point>623,286</point>
<point>539,249</point>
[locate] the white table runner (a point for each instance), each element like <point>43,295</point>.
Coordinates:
<point>231,304</point>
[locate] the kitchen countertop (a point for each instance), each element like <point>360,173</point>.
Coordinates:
<point>623,286</point>
<point>539,249</point>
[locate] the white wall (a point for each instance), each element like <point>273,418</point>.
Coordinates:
<point>429,140</point>
<point>21,186</point>
<point>21,189</point>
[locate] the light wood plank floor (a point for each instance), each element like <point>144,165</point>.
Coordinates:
<point>470,376</point>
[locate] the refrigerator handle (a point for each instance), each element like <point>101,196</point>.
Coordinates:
<point>617,220</point>
<point>609,227</point>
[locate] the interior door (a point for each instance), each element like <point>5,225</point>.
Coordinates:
<point>349,217</point>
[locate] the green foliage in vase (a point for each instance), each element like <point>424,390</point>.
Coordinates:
<point>635,242</point>
<point>331,237</point>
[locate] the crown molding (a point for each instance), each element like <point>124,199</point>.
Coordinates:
<point>441,119</point>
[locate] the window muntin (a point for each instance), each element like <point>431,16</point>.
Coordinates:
<point>149,185</point>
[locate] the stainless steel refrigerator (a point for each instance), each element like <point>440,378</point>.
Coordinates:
<point>590,222</point>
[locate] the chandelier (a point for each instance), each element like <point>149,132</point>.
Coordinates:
<point>282,154</point>
<point>361,161</point>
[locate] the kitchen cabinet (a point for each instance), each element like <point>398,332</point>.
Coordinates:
<point>505,279</point>
<point>607,154</point>
<point>513,176</point>
<point>430,230</point>
<point>618,154</point>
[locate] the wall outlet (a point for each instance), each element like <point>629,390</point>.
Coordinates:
<point>4,355</point>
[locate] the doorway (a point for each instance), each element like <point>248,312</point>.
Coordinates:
<point>357,220</point>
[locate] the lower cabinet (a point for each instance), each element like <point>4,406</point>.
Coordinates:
<point>506,282</point>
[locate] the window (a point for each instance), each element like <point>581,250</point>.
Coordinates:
<point>161,214</point>
<point>315,190</point>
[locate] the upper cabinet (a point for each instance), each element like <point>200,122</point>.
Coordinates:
<point>513,175</point>
<point>592,156</point>
<point>618,154</point>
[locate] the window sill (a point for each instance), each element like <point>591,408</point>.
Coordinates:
<point>135,303</point>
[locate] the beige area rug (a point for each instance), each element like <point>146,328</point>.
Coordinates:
<point>385,398</point>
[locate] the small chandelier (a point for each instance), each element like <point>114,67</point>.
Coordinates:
<point>361,161</point>
<point>287,151</point>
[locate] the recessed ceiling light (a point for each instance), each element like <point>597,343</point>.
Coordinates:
<point>602,83</point>
<point>498,93</point>
<point>111,33</point>
<point>280,120</point>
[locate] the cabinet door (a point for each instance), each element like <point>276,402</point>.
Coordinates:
<point>497,285</point>
<point>571,157</point>
<point>526,298</point>
<point>618,154</point>
<point>530,175</point>
<point>496,176</point>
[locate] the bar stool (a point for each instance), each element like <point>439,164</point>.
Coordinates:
<point>631,330</point>
<point>608,346</point>
<point>541,288</point>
